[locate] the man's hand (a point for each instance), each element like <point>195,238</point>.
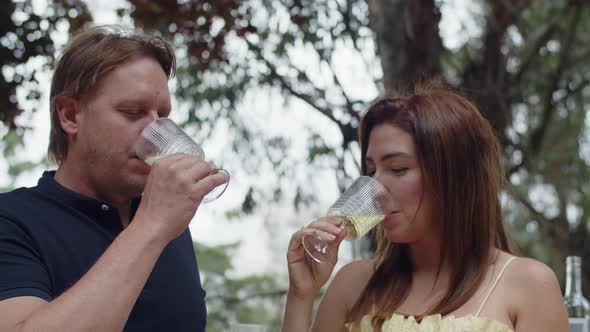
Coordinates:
<point>175,187</point>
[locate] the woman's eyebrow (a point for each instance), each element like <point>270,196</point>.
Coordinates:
<point>390,156</point>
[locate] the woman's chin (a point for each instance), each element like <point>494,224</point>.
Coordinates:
<point>396,235</point>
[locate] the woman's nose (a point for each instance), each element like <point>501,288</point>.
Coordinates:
<point>378,175</point>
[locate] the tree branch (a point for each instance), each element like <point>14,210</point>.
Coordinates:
<point>285,85</point>
<point>345,128</point>
<point>575,90</point>
<point>581,59</point>
<point>532,52</point>
<point>349,103</point>
<point>346,13</point>
<point>523,162</point>
<point>549,104</point>
<point>524,201</point>
<point>485,77</point>
<point>551,229</point>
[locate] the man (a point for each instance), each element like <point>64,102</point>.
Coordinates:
<point>81,251</point>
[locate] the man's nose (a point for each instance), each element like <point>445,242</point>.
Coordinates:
<point>149,118</point>
<point>154,116</point>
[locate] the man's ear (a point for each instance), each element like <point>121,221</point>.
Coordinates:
<point>67,109</point>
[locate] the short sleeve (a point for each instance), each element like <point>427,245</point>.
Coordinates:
<point>22,273</point>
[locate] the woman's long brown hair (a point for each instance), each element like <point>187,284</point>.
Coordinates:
<point>461,162</point>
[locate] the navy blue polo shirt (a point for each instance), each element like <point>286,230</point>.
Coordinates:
<point>50,237</point>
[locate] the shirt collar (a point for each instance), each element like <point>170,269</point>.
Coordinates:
<point>87,205</point>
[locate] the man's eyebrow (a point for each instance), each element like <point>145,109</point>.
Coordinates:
<point>391,155</point>
<point>129,102</point>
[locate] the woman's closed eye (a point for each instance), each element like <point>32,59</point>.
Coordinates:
<point>399,170</point>
<point>395,170</point>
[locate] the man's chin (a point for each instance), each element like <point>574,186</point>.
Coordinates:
<point>136,183</point>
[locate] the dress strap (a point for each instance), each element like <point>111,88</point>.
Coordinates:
<point>494,284</point>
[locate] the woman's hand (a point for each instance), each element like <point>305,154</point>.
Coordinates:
<point>307,276</point>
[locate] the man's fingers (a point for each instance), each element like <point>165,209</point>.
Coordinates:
<point>206,184</point>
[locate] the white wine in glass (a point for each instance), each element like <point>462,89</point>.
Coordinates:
<point>356,226</point>
<point>151,160</point>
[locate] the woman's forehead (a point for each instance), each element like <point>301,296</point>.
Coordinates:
<point>391,141</point>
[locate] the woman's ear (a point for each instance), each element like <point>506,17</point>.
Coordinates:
<point>67,109</point>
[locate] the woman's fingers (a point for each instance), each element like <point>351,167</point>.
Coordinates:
<point>328,229</point>
<point>330,225</point>
<point>327,236</point>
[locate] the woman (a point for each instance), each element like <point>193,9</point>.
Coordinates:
<point>443,261</point>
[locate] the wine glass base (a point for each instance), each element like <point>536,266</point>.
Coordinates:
<point>219,190</point>
<point>316,248</point>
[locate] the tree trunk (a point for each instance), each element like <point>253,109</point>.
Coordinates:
<point>408,40</point>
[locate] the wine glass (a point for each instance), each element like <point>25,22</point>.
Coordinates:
<point>361,207</point>
<point>163,137</point>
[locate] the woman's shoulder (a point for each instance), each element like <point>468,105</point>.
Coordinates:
<point>525,271</point>
<point>351,280</point>
<point>356,271</point>
<point>527,279</point>
<point>533,296</point>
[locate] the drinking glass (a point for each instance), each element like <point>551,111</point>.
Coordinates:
<point>361,207</point>
<point>163,137</point>
<point>237,327</point>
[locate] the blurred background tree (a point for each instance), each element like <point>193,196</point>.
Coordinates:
<point>249,299</point>
<point>526,63</point>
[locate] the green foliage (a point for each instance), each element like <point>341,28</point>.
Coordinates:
<point>25,37</point>
<point>18,168</point>
<point>11,143</point>
<point>250,299</point>
<point>12,140</point>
